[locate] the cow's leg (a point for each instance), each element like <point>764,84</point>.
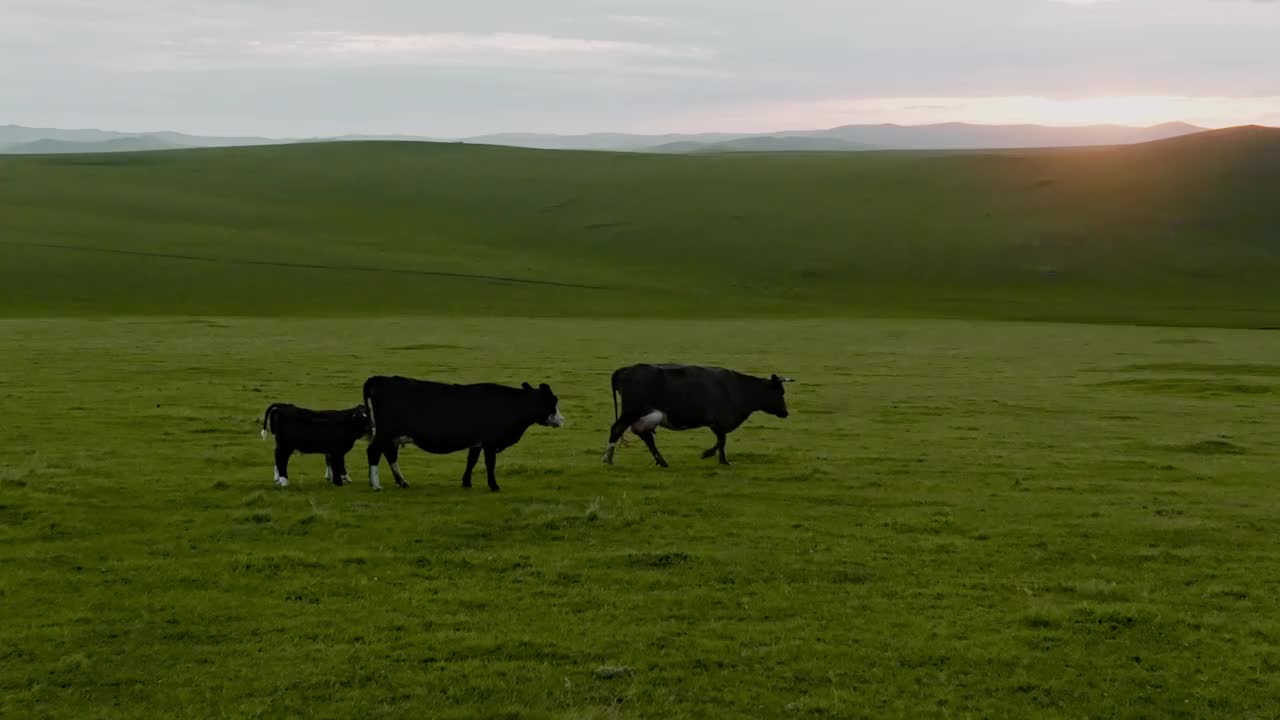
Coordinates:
<point>393,459</point>
<point>711,451</point>
<point>615,434</point>
<point>619,428</point>
<point>717,448</point>
<point>490,463</point>
<point>282,464</point>
<point>647,437</point>
<point>473,456</point>
<point>374,454</point>
<point>720,440</point>
<point>335,468</point>
<point>340,475</point>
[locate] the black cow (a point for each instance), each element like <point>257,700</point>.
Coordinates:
<point>683,397</point>
<point>444,418</point>
<point>329,432</point>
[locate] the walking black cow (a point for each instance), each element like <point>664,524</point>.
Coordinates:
<point>684,397</point>
<point>444,418</point>
<point>329,432</point>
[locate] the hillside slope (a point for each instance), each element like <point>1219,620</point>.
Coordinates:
<point>1182,231</point>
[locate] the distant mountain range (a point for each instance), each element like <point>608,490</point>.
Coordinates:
<point>764,143</point>
<point>15,139</point>
<point>55,147</point>
<point>944,136</point>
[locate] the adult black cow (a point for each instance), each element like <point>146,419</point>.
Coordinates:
<point>329,432</point>
<point>684,397</point>
<point>444,418</point>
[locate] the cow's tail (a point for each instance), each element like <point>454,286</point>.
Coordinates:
<point>368,405</point>
<point>266,420</point>
<point>613,385</point>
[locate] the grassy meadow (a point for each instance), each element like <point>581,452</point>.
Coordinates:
<point>959,519</point>
<point>975,510</point>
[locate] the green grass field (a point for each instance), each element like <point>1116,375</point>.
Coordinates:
<point>963,517</point>
<point>958,520</point>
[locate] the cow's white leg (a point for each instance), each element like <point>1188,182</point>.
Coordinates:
<point>373,478</point>
<point>281,480</point>
<point>346,479</point>
<point>608,453</point>
<point>328,472</point>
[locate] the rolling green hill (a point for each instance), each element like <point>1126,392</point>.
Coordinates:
<point>1183,231</point>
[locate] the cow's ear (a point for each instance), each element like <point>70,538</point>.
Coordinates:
<point>544,387</point>
<point>526,386</point>
<point>775,378</point>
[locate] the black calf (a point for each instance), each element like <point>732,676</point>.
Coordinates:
<point>331,433</point>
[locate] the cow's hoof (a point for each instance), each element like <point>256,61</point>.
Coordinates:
<point>494,488</point>
<point>402,484</point>
<point>663,464</point>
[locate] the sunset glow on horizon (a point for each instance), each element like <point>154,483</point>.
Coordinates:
<point>1134,110</point>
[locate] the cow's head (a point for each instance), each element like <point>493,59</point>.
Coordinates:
<point>360,418</point>
<point>548,405</point>
<point>774,401</point>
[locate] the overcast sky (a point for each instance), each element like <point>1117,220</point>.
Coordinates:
<point>465,67</point>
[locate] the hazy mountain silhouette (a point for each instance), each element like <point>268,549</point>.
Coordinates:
<point>766,143</point>
<point>943,136</point>
<point>124,144</point>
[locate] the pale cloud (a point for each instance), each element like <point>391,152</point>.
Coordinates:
<point>444,68</point>
<point>404,47</point>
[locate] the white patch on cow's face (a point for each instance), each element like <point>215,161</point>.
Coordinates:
<point>373,478</point>
<point>556,419</point>
<point>649,422</point>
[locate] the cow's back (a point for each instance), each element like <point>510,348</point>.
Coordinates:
<point>442,417</point>
<point>396,404</point>
<point>688,394</point>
